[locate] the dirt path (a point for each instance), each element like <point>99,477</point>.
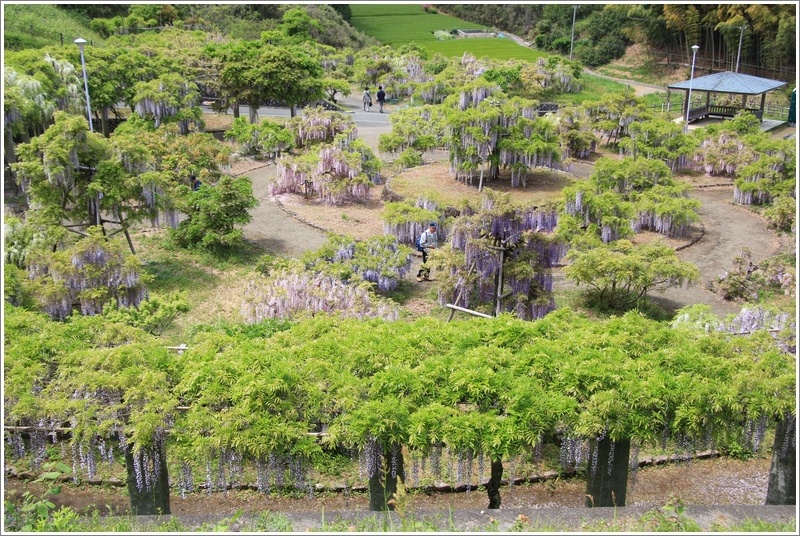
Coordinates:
<point>275,229</point>
<point>729,230</point>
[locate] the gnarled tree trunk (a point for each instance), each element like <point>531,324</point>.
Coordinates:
<point>782,487</point>
<point>493,487</point>
<point>148,481</point>
<point>383,482</point>
<point>607,475</point>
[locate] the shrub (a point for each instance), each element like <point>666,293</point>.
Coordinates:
<point>215,214</point>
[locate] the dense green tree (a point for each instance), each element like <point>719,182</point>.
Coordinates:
<point>253,73</point>
<point>266,140</point>
<point>215,214</point>
<point>621,274</point>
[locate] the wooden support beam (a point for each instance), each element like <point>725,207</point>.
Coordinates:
<point>468,311</point>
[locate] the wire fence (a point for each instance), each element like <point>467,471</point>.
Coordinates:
<point>714,65</point>
<point>47,34</point>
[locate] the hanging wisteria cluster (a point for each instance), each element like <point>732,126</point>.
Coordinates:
<point>337,173</point>
<point>379,260</point>
<point>223,470</point>
<point>165,97</point>
<point>531,142</point>
<point>630,196</point>
<point>420,127</point>
<point>405,220</point>
<point>660,140</point>
<point>509,130</point>
<point>91,273</point>
<point>289,294</point>
<point>528,253</point>
<point>666,210</point>
<point>161,214</point>
<point>408,74</point>
<point>148,462</point>
<point>614,113</point>
<point>557,75</point>
<point>721,155</point>
<point>756,181</point>
<point>72,98</point>
<point>317,125</point>
<point>574,451</point>
<point>370,458</point>
<point>471,97</point>
<point>750,320</point>
<point>471,65</point>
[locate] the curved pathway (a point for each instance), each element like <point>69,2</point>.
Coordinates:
<point>275,229</point>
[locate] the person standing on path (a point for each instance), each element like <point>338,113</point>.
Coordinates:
<point>427,240</point>
<point>381,95</point>
<point>367,99</point>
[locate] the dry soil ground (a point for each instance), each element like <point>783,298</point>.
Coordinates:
<point>719,481</point>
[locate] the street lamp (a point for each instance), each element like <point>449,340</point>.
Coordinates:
<point>572,39</point>
<point>81,44</point>
<point>739,54</point>
<point>695,48</point>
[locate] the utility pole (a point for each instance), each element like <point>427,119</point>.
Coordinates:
<point>572,39</point>
<point>695,48</point>
<point>739,54</point>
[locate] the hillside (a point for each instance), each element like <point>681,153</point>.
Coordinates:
<point>39,25</point>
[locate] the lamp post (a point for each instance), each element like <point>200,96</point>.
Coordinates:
<point>739,54</point>
<point>695,48</point>
<point>572,39</point>
<point>81,44</point>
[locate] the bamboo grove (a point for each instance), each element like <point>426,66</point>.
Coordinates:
<point>394,395</point>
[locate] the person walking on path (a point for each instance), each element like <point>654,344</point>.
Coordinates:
<point>381,95</point>
<point>367,99</point>
<point>427,240</point>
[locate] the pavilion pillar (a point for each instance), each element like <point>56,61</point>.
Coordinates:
<point>763,100</point>
<point>686,104</point>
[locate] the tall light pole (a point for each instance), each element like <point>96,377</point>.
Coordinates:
<point>695,48</point>
<point>739,54</point>
<point>572,39</point>
<point>81,44</point>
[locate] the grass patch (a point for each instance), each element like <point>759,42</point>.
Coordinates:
<point>27,24</point>
<point>214,285</point>
<point>489,47</point>
<point>593,89</point>
<point>398,25</point>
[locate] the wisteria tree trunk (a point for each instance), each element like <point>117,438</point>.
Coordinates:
<point>782,487</point>
<point>607,475</point>
<point>493,487</point>
<point>383,483</point>
<point>148,480</point>
<point>104,121</point>
<point>253,110</point>
<point>10,154</point>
